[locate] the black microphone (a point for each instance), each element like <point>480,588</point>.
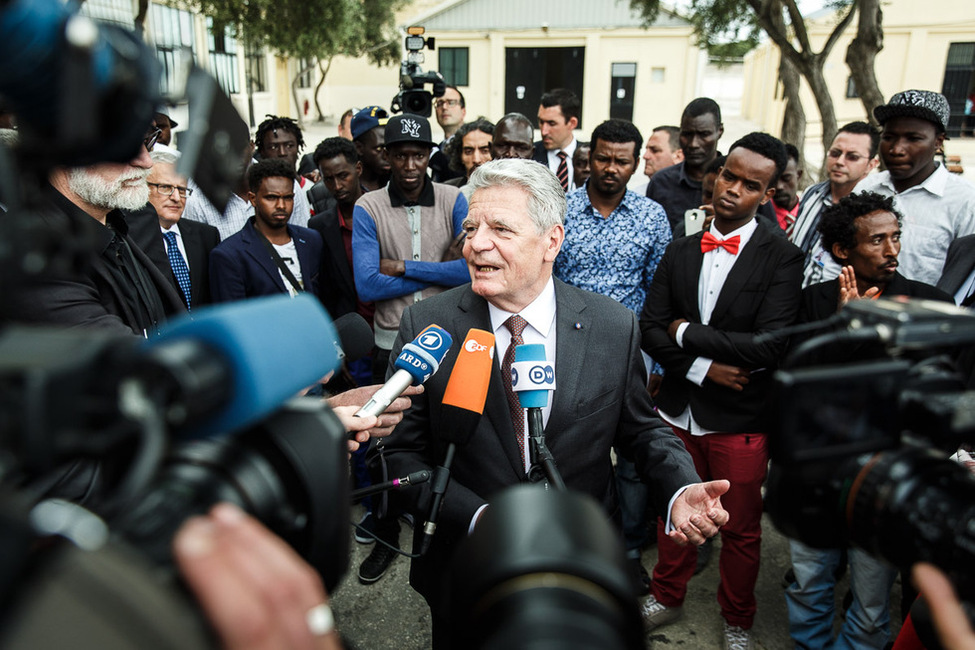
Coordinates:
<point>355,336</point>
<point>413,478</point>
<point>463,404</point>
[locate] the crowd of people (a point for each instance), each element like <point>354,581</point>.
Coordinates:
<point>650,302</point>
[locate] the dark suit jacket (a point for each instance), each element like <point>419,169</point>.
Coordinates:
<point>241,266</point>
<point>761,294</point>
<point>541,153</point>
<point>198,240</point>
<point>336,288</point>
<point>600,401</point>
<point>819,303</point>
<point>958,264</point>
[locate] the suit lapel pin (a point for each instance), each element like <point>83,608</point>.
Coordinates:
<point>577,326</point>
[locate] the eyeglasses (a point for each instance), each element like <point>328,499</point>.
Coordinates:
<point>281,146</point>
<point>167,190</point>
<point>152,136</point>
<point>851,156</point>
<point>440,103</point>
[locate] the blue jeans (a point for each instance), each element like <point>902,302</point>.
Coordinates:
<point>633,497</point>
<point>811,599</point>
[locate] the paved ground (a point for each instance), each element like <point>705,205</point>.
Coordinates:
<point>390,615</point>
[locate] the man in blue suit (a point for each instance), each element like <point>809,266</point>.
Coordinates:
<point>268,255</point>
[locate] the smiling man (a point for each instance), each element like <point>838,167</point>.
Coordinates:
<point>938,206</point>
<point>711,294</point>
<point>269,255</point>
<point>514,234</point>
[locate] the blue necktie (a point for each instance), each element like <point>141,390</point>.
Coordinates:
<point>178,264</point>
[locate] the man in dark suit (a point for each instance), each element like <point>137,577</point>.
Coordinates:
<point>711,294</point>
<point>186,244</point>
<point>558,118</point>
<point>958,276</point>
<point>601,398</point>
<point>269,255</point>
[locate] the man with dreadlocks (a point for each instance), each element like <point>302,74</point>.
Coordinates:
<point>280,137</point>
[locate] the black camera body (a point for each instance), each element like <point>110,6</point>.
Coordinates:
<point>860,452</point>
<point>412,98</point>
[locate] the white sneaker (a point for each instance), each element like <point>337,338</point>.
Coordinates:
<point>656,614</point>
<point>735,638</point>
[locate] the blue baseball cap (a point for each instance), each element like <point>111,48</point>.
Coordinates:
<point>367,119</point>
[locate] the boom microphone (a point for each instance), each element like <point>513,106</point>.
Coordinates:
<point>229,366</point>
<point>463,404</point>
<point>415,364</point>
<point>355,336</point>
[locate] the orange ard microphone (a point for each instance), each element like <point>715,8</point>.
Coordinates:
<point>463,404</point>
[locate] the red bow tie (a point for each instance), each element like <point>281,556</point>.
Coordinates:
<point>709,242</point>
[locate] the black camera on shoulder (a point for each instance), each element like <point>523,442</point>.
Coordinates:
<point>412,98</point>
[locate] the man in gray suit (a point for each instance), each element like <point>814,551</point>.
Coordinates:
<point>514,232</point>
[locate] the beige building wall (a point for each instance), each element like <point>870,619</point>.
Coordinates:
<point>916,40</point>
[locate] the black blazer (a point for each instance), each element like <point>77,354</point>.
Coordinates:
<point>600,401</point>
<point>198,240</point>
<point>958,264</point>
<point>540,154</point>
<point>761,294</point>
<point>336,288</point>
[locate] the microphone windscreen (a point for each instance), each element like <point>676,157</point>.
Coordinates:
<point>355,336</point>
<point>532,376</point>
<point>422,356</point>
<point>273,346</point>
<point>468,384</point>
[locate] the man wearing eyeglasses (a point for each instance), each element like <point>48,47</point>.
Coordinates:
<point>451,110</point>
<point>118,289</point>
<point>187,243</point>
<point>851,156</point>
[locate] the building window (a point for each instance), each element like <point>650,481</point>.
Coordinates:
<point>658,75</point>
<point>116,12</point>
<point>453,65</point>
<point>307,69</point>
<point>172,30</point>
<point>256,69</point>
<point>851,89</point>
<point>223,56</point>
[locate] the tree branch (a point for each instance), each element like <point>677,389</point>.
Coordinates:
<point>839,29</point>
<point>798,25</point>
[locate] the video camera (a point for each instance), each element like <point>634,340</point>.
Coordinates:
<point>412,98</point>
<point>860,454</point>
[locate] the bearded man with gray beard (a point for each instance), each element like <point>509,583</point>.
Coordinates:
<point>115,288</point>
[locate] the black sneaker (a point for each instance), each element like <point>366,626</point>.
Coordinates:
<point>364,532</point>
<point>374,567</point>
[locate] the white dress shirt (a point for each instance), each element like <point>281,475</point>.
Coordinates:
<point>179,241</point>
<point>715,267</point>
<point>553,161</point>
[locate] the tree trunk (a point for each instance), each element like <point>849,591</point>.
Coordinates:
<point>318,87</point>
<point>862,53</point>
<point>140,19</point>
<point>794,120</point>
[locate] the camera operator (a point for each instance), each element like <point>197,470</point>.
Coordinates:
<point>120,290</point>
<point>862,233</point>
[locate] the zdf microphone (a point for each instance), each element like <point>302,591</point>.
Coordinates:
<point>463,404</point>
<point>415,364</point>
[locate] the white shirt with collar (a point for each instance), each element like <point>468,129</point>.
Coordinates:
<point>936,212</point>
<point>553,161</point>
<point>715,267</point>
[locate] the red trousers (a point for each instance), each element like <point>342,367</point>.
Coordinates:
<point>742,458</point>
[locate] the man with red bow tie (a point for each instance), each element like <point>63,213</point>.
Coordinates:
<point>713,292</point>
